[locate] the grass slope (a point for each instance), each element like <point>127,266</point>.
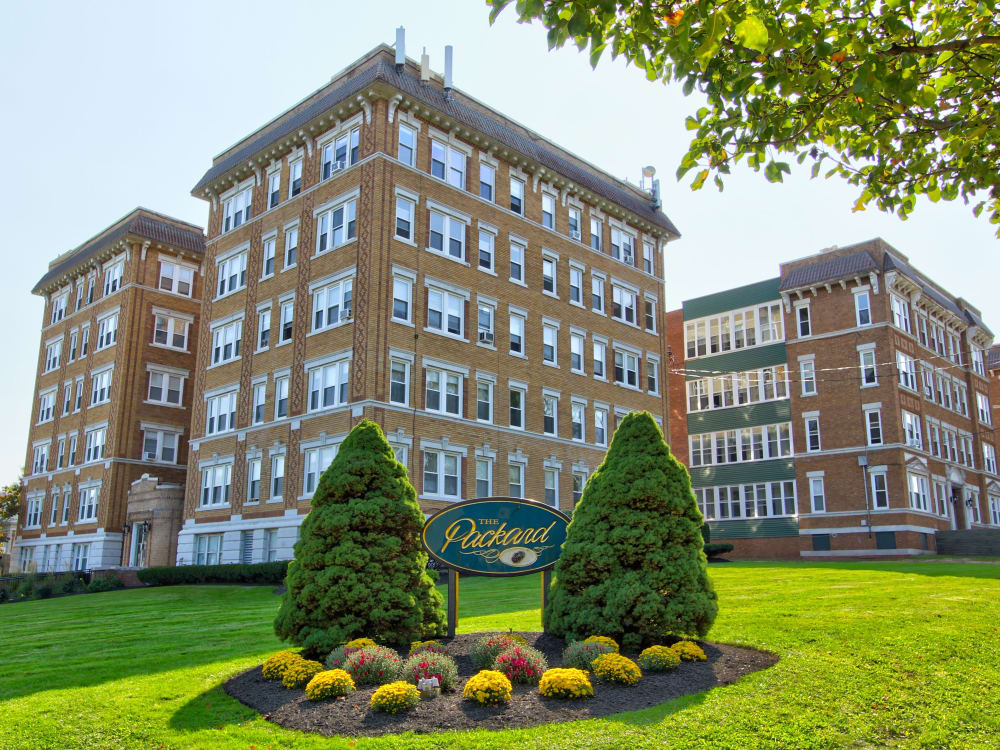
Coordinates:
<point>877,654</point>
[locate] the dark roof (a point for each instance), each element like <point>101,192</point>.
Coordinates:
<point>383,70</point>
<point>139,222</point>
<point>993,358</point>
<point>828,269</point>
<point>894,263</point>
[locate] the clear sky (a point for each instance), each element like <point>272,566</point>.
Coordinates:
<point>113,105</point>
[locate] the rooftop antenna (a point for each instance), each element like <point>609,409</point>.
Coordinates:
<point>447,70</point>
<point>400,49</point>
<point>425,67</point>
<point>647,174</point>
<point>656,202</point>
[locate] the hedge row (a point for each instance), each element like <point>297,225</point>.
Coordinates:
<point>269,572</point>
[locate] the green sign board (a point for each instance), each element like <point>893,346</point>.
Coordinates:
<point>496,536</point>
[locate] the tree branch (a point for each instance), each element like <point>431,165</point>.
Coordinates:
<point>934,49</point>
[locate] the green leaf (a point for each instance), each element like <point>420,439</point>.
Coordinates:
<point>751,32</point>
<point>691,124</point>
<point>815,169</point>
<point>699,180</point>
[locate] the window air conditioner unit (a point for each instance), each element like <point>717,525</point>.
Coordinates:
<point>150,456</point>
<point>338,166</point>
<point>574,233</point>
<point>486,337</point>
<point>345,314</point>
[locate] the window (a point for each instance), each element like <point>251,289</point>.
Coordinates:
<point>404,218</point>
<point>548,211</point>
<point>549,275</point>
<point>989,458</point>
<point>84,340</point>
<point>226,339</point>
<point>328,385</point>
<point>550,414</point>
<point>978,361</point>
<point>399,382</point>
<point>901,313</point>
<point>869,371</point>
<point>487,241</point>
<point>268,263</point>
<point>517,407</point>
<point>54,515</point>
<point>72,346</point>
<point>259,397</point>
<point>622,304</point>
<point>263,329</point>
<point>52,354</point>
<point>446,313</point>
<point>576,343</point>
<point>78,401</point>
<point>236,209</point>
<point>208,549</point>
<point>287,322</point>
<point>79,294</point>
<point>486,314</point>
<point>448,163</point>
<point>40,460</point>
<point>741,445</point>
<point>622,246</point>
<point>912,431</point>
<point>487,181</point>
<point>340,153</point>
<point>597,294</point>
<point>626,369</point>
<point>484,477</point>
<point>552,487</point>
<point>220,413</point>
<point>907,371</point>
<point>90,289</point>
<point>807,372</point>
<point>232,274</point>
<point>575,285</point>
<point>112,278</point>
<point>919,492</point>
<point>441,474</point>
<point>650,315</point>
<point>88,504</point>
<point>407,149</point>
<point>215,485</point>
<point>994,510</point>
<point>291,247</point>
<point>600,357</point>
<point>253,480</point>
<point>484,401</point>
<point>596,234</point>
<point>331,304</point>
<point>574,223</point>
<point>273,188</point>
<point>317,460</point>
<point>817,494</point>
<point>58,308</point>
<point>160,445</point>
<point>802,321</point>
<point>67,398</point>
<point>873,424</point>
<point>100,387</point>
<point>446,235</point>
<point>170,331</point>
<point>652,375</point>
<point>550,343</point>
<point>402,289</point>
<point>517,196</point>
<point>516,262</point>
<point>578,419</point>
<point>863,308</point>
<point>165,388</point>
<point>176,278</point>
<point>107,331</point>
<point>294,178</point>
<point>647,257</point>
<point>517,334</point>
<point>600,425</point>
<point>444,391</point>
<point>277,476</point>
<point>94,444</point>
<point>336,226</point>
<point>983,408</point>
<point>812,434</point>
<point>515,480</point>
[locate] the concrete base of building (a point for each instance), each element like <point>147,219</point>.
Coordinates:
<point>55,554</point>
<point>232,549</point>
<point>763,548</point>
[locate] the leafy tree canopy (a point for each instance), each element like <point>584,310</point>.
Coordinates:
<point>10,503</point>
<point>897,97</point>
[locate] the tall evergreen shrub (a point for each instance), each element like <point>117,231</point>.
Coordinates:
<point>359,567</point>
<point>632,566</point>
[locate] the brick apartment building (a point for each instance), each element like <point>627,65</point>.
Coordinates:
<point>112,401</point>
<point>392,248</point>
<point>842,409</point>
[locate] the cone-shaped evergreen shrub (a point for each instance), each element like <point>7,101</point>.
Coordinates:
<point>632,566</point>
<point>360,567</point>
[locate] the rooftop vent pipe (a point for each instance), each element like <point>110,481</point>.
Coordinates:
<point>400,49</point>
<point>447,69</point>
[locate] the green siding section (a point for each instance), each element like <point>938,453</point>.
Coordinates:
<point>750,528</point>
<point>769,412</point>
<point>738,361</point>
<point>732,299</point>
<point>748,473</point>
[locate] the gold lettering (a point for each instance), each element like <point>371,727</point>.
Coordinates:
<point>454,533</point>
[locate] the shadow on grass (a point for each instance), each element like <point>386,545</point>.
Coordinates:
<point>924,567</point>
<point>643,717</point>
<point>212,709</point>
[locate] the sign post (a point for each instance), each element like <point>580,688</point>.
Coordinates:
<point>452,601</point>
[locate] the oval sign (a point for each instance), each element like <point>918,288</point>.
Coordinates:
<point>496,536</point>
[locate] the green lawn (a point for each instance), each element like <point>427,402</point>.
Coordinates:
<point>872,654</point>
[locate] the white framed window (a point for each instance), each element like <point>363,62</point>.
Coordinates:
<point>336,226</point>
<point>446,235</point>
<point>817,494</point>
<point>920,493</point>
<point>208,549</point>
<point>259,400</point>
<point>226,341</point>
<point>67,397</point>
<point>983,408</point>
<point>263,329</point>
<point>159,445</point>
<point>107,331</point>
<point>548,211</point>
<point>487,181</point>
<point>551,477</point>
<point>549,275</point>
<point>911,430</point>
<point>879,488</point>
<point>623,304</point>
<point>803,322</point>
<point>517,263</point>
<point>648,249</point>
<point>994,510</point>
<point>515,479</point>
<point>40,458</point>
<point>901,313</point>
<point>575,285</point>
<point>232,274</point>
<point>79,293</point>
<point>176,278</point>
<point>517,195</point>
<point>484,400</point>
<point>165,388</point>
<point>484,477</point>
<point>291,247</point>
<point>220,413</point>
<point>596,234</point>
<point>53,352</point>
<point>550,343</point>
<point>907,367</point>
<point>316,461</point>
<point>60,454</point>
<point>812,434</point>
<point>516,412</point>
<point>618,242</point>
<point>652,375</point>
<point>978,361</point>
<point>277,476</point>
<point>78,401</point>
<point>600,425</point>
<point>574,223</point>
<point>84,339</point>
<point>402,295</point>
<point>446,313</point>
<point>807,374</point>
<point>113,277</point>
<point>763,442</point>
<point>444,391</point>
<point>442,474</point>
<point>650,314</point>
<point>58,307</point>
<point>332,304</point>
<point>280,396</point>
<point>253,480</point>
<point>626,369</point>
<point>89,497</point>
<point>236,209</point>
<point>273,188</point>
<point>869,370</point>
<point>517,343</point>
<point>989,458</point>
<point>54,514</point>
<point>863,308</point>
<point>286,326</point>
<point>485,317</point>
<point>328,385</point>
<point>94,444</point>
<point>873,424</point>
<point>405,209</point>
<point>576,356</point>
<point>216,483</point>
<point>269,257</point>
<point>294,178</point>
<point>487,247</point>
<point>578,421</point>
<point>597,294</point>
<point>399,381</point>
<point>170,331</point>
<point>339,153</point>
<point>406,150</point>
<point>73,338</point>
<point>448,164</point>
<point>600,358</point>
<point>550,414</point>
<point>100,387</point>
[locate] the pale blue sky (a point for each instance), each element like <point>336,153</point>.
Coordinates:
<point>110,105</point>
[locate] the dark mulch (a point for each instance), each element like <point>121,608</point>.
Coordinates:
<point>527,708</point>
